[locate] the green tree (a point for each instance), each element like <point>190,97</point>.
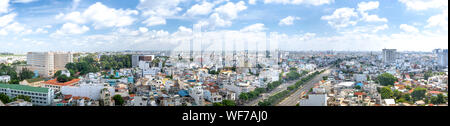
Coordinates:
<point>25,98</point>
<point>419,93</point>
<point>357,87</point>
<point>427,75</point>
<point>439,99</point>
<point>243,96</point>
<point>386,93</point>
<point>228,103</point>
<point>57,74</point>
<point>63,78</point>
<point>4,98</point>
<point>386,79</point>
<point>26,74</point>
<point>118,100</point>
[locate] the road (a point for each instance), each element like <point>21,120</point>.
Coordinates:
<point>294,98</point>
<point>280,88</point>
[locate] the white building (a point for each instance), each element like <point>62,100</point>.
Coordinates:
<point>47,63</point>
<point>197,93</point>
<point>360,77</point>
<point>443,58</point>
<point>91,91</point>
<point>5,78</point>
<point>314,100</point>
<point>389,55</point>
<point>39,96</point>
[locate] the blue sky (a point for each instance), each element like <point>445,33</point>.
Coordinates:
<point>114,25</point>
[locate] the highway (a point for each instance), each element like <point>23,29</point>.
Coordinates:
<point>280,88</point>
<point>294,98</point>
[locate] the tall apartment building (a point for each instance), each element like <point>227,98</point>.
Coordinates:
<point>135,59</point>
<point>47,63</point>
<point>443,58</point>
<point>389,55</point>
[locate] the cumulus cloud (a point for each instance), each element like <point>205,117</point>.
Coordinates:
<point>363,7</point>
<point>288,21</point>
<point>101,16</point>
<point>153,21</point>
<point>71,29</point>
<point>6,19</point>
<point>419,5</point>
<point>200,9</point>
<point>223,15</point>
<point>23,1</point>
<point>159,8</point>
<point>440,20</point>
<point>342,17</point>
<point>258,27</point>
<point>408,28</point>
<point>297,2</point>
<point>4,6</point>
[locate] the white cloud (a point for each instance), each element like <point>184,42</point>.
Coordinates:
<point>6,19</point>
<point>288,21</point>
<point>153,21</point>
<point>342,17</point>
<point>159,8</point>
<point>200,9</point>
<point>258,27</point>
<point>408,28</point>
<point>101,16</point>
<point>297,2</point>
<point>365,6</point>
<point>231,10</point>
<point>419,5</point>
<point>71,28</point>
<point>75,4</point>
<point>23,1</point>
<point>372,18</point>
<point>143,29</point>
<point>440,20</point>
<point>252,2</point>
<point>4,6</point>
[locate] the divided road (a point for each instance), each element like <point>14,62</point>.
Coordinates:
<point>280,88</point>
<point>294,98</point>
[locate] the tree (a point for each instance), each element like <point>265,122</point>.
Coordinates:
<point>419,93</point>
<point>427,75</point>
<point>386,79</point>
<point>243,96</point>
<point>58,73</point>
<point>25,98</point>
<point>118,100</point>
<point>357,87</point>
<point>4,98</point>
<point>397,94</point>
<point>386,93</point>
<point>228,103</point>
<point>63,78</point>
<point>439,99</point>
<point>26,74</point>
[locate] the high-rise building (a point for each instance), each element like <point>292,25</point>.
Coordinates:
<point>61,59</point>
<point>443,58</point>
<point>47,63</point>
<point>135,59</point>
<point>389,55</point>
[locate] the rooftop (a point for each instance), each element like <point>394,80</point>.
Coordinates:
<point>55,82</point>
<point>24,88</point>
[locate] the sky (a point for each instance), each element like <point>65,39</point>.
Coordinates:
<point>294,25</point>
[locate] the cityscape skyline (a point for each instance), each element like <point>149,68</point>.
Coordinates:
<point>354,25</point>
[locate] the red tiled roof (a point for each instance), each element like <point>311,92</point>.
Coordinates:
<point>55,82</point>
<point>132,95</point>
<point>67,96</point>
<point>434,92</point>
<point>75,98</point>
<point>360,93</point>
